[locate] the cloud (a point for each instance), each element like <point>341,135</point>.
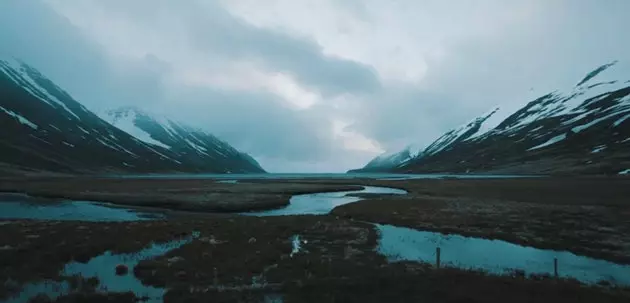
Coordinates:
<point>205,30</point>
<point>315,85</point>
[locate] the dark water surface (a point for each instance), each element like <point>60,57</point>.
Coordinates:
<point>494,256</point>
<point>18,206</point>
<point>376,176</point>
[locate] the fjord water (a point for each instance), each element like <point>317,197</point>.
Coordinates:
<point>274,176</point>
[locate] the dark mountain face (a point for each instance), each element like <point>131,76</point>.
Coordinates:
<point>196,145</point>
<point>410,154</point>
<point>583,131</point>
<point>44,128</point>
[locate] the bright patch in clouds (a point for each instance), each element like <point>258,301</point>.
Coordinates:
<point>353,140</point>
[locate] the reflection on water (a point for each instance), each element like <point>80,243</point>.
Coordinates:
<point>323,203</point>
<point>24,207</point>
<point>227,181</point>
<point>404,244</point>
<point>103,267</point>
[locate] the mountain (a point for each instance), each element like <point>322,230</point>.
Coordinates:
<point>185,141</point>
<point>45,129</point>
<point>392,160</point>
<point>583,130</point>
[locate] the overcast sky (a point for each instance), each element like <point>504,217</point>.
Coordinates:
<point>315,85</point>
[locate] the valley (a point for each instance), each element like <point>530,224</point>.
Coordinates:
<point>301,256</point>
<point>126,205</point>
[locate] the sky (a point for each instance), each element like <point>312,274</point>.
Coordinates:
<point>315,85</point>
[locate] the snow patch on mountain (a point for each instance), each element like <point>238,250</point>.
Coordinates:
<point>491,121</point>
<point>599,149</point>
<point>83,130</point>
<point>30,79</point>
<point>621,120</point>
<point>198,148</point>
<point>575,103</point>
<point>582,127</point>
<point>551,141</point>
<point>470,130</point>
<point>19,118</point>
<point>126,121</point>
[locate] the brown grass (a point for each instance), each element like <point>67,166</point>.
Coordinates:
<point>185,195</point>
<point>585,216</point>
<point>338,263</point>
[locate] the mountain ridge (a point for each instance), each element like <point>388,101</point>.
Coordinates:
<point>46,129</point>
<point>583,130</point>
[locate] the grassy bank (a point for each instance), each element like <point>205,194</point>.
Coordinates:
<point>185,195</point>
<point>585,216</point>
<point>336,262</point>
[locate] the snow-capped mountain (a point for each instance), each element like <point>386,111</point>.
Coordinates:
<point>392,160</point>
<point>179,138</point>
<point>44,128</point>
<point>585,130</point>
<point>389,160</point>
<point>470,130</point>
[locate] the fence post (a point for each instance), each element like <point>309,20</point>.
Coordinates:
<point>216,278</point>
<point>555,267</point>
<point>438,257</point>
<point>330,269</point>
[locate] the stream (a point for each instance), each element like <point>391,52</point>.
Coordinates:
<point>323,203</point>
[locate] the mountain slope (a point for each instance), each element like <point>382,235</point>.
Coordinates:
<point>44,128</point>
<point>394,160</point>
<point>584,130</point>
<point>390,160</point>
<point>185,141</point>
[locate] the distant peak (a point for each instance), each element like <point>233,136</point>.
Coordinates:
<point>489,114</point>
<point>596,72</point>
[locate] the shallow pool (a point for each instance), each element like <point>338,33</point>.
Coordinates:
<point>103,267</point>
<point>15,206</point>
<point>404,244</point>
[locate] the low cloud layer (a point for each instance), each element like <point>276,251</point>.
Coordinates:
<point>314,85</point>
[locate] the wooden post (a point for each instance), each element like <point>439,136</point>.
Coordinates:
<point>555,267</point>
<point>438,257</point>
<point>330,269</point>
<point>216,278</point>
